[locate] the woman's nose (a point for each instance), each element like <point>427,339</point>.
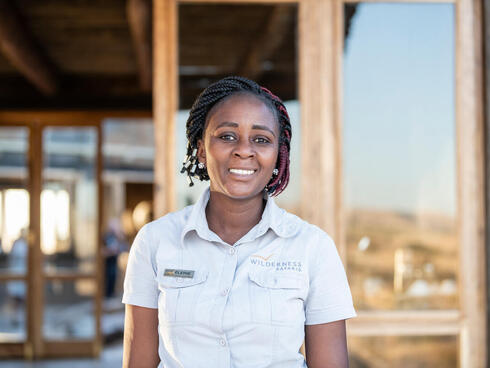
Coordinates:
<point>244,149</point>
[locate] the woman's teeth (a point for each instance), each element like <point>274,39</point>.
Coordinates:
<point>242,172</point>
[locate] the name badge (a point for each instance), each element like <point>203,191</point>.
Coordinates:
<point>178,273</point>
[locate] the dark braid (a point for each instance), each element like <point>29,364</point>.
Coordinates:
<point>218,91</point>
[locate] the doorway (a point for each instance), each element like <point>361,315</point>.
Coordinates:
<point>50,251</point>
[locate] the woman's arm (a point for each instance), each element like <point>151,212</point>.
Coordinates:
<point>140,337</point>
<point>326,345</point>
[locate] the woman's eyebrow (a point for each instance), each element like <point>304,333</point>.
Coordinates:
<point>263,127</point>
<point>227,124</point>
<point>235,125</point>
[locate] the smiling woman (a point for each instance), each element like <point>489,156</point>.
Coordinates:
<point>235,274</point>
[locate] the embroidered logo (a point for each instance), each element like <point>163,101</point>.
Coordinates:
<point>277,265</point>
<point>263,258</point>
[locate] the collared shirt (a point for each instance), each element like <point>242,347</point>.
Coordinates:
<point>240,305</point>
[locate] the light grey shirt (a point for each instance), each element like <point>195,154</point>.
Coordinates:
<point>240,305</point>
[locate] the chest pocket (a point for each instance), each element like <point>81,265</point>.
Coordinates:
<point>277,298</point>
<point>179,296</point>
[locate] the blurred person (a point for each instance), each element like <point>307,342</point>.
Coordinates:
<point>114,244</point>
<point>234,280</point>
<point>17,259</point>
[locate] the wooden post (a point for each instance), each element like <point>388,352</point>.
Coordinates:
<point>164,103</point>
<point>319,129</point>
<point>35,302</point>
<point>471,188</point>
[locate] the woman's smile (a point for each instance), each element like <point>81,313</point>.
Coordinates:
<point>242,172</point>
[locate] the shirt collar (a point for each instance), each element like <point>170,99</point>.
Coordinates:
<point>273,217</point>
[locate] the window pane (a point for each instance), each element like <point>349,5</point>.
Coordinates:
<point>14,199</point>
<point>69,309</point>
<point>399,155</point>
<point>406,351</point>
<point>127,174</point>
<point>12,311</point>
<point>69,199</point>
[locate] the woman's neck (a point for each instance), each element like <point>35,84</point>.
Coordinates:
<point>231,219</point>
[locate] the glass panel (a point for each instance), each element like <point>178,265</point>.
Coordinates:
<point>406,351</point>
<point>69,309</point>
<point>12,311</point>
<point>14,199</point>
<point>128,156</point>
<point>399,156</point>
<point>69,199</point>
<point>212,47</point>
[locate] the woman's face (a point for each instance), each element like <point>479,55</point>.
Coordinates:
<point>240,146</point>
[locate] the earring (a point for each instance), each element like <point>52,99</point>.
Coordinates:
<point>201,165</point>
<point>275,172</point>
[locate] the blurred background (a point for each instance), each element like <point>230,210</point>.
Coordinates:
<point>80,138</point>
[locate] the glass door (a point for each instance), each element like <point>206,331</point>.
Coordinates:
<point>69,240</point>
<point>51,282</point>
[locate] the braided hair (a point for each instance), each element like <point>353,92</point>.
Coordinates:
<point>219,91</point>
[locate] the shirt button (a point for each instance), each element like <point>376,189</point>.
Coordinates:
<point>224,292</point>
<point>222,342</point>
<point>232,251</point>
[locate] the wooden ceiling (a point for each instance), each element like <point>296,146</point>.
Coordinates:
<point>97,53</point>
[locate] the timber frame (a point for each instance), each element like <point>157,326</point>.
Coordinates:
<point>320,93</point>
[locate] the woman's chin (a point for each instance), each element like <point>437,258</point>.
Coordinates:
<point>237,191</point>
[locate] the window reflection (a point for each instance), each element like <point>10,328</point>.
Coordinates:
<point>128,157</point>
<point>63,301</point>
<point>399,155</point>
<point>14,200</point>
<point>12,307</point>
<point>69,199</point>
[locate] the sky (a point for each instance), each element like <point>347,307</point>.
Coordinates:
<point>399,125</point>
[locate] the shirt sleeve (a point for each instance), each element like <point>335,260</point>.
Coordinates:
<point>329,298</point>
<point>140,285</point>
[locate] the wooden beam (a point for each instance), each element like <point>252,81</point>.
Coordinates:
<point>165,94</point>
<point>20,48</point>
<point>269,40</point>
<point>470,133</point>
<point>139,18</point>
<point>66,117</point>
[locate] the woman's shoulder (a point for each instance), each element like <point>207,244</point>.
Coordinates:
<point>302,227</point>
<point>171,223</point>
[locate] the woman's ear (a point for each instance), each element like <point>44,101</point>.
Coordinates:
<point>201,152</point>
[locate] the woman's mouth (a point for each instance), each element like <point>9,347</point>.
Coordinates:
<point>243,172</point>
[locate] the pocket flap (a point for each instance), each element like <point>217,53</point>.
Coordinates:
<point>278,281</point>
<point>181,282</point>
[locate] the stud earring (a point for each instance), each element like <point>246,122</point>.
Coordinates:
<point>201,165</point>
<point>275,172</point>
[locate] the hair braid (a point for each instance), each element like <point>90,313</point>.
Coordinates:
<point>218,91</point>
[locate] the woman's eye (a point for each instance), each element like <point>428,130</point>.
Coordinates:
<point>227,137</point>
<point>262,140</point>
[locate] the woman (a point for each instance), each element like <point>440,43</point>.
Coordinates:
<point>235,281</point>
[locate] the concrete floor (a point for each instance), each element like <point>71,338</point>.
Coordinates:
<point>111,357</point>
